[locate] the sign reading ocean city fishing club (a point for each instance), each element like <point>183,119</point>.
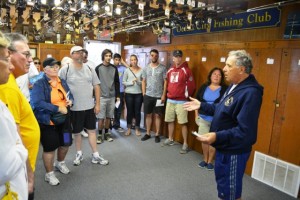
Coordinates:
<point>256,19</point>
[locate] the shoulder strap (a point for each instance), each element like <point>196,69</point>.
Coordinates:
<point>67,71</point>
<point>132,72</point>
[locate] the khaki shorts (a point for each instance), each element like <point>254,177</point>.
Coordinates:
<point>176,109</point>
<point>107,108</point>
<point>204,125</point>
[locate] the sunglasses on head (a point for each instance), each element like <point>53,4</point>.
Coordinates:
<point>37,63</point>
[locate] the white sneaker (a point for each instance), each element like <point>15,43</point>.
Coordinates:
<point>84,134</point>
<point>62,167</point>
<point>120,130</point>
<point>99,159</point>
<point>51,178</point>
<point>78,159</point>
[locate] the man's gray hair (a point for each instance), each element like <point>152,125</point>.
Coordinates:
<point>242,59</point>
<point>15,37</point>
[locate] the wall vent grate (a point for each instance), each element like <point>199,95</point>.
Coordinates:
<point>279,174</point>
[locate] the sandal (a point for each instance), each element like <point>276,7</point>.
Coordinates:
<point>137,133</point>
<point>128,132</point>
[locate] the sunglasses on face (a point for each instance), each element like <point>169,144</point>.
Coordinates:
<point>37,63</point>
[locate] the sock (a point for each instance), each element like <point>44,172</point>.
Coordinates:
<point>52,172</point>
<point>60,162</point>
<point>100,131</point>
<point>96,154</point>
<point>106,130</point>
<point>79,152</point>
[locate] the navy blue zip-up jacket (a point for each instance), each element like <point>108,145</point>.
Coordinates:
<point>235,118</point>
<point>41,99</point>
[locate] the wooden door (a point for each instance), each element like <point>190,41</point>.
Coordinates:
<point>289,142</point>
<point>266,68</point>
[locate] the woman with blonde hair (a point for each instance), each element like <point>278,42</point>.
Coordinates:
<point>132,80</point>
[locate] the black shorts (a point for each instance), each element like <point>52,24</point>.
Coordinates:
<point>51,137</point>
<point>150,106</point>
<point>83,119</point>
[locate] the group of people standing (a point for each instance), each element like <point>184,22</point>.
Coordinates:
<point>227,117</point>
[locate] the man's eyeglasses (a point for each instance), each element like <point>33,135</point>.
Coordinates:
<point>37,63</point>
<point>27,54</point>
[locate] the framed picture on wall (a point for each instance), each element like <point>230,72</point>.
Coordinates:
<point>164,37</point>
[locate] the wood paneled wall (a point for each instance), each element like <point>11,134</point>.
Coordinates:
<point>278,133</point>
<point>57,51</point>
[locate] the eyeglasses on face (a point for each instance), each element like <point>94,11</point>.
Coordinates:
<point>79,52</point>
<point>37,63</point>
<point>27,54</point>
<point>53,67</point>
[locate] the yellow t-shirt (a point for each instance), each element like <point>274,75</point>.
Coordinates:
<point>20,108</point>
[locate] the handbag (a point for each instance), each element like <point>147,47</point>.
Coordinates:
<point>67,129</point>
<point>58,118</point>
<point>10,195</point>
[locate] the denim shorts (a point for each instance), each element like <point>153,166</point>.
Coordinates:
<point>229,171</point>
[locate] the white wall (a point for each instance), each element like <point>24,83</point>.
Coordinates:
<point>95,49</point>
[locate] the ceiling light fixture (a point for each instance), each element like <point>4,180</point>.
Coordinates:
<point>82,4</point>
<point>30,3</point>
<point>109,7</point>
<point>57,2</point>
<point>118,10</point>
<point>12,1</point>
<point>96,6</point>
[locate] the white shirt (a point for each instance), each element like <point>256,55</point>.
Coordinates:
<point>13,156</point>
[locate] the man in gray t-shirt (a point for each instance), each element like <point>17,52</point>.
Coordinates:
<point>83,81</point>
<point>110,93</point>
<point>154,91</point>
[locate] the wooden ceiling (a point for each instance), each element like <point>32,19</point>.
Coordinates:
<point>77,17</point>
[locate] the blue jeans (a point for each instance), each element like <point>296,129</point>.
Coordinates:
<point>134,105</point>
<point>118,111</point>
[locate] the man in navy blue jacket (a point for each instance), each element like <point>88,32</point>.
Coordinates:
<point>233,130</point>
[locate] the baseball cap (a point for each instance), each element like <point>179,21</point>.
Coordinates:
<point>50,62</point>
<point>75,48</point>
<point>177,53</point>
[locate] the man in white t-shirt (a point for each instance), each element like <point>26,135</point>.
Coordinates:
<point>83,81</point>
<point>91,65</point>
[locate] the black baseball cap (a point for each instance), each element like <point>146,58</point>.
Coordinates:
<point>50,62</point>
<point>177,53</point>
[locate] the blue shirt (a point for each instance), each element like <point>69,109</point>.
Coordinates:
<point>210,96</point>
<point>121,70</point>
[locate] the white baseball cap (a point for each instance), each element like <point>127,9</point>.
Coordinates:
<point>75,48</point>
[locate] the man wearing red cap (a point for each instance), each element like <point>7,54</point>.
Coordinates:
<point>180,85</point>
